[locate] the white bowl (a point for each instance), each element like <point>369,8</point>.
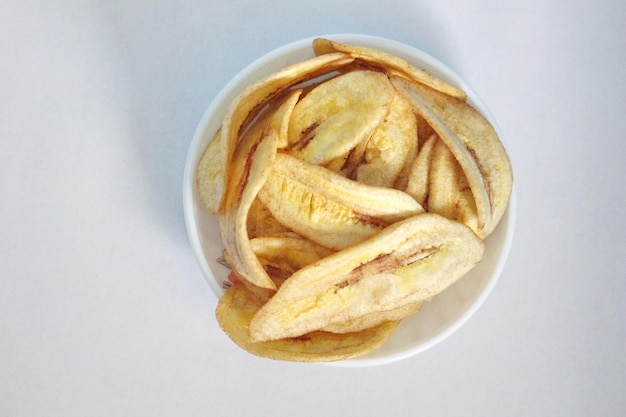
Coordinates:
<point>438,318</point>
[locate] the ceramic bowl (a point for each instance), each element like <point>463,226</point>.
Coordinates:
<point>440,317</point>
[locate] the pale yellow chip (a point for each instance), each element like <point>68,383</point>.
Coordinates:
<point>338,114</point>
<point>328,208</point>
<point>242,110</point>
<point>449,193</point>
<point>409,261</point>
<point>252,165</point>
<point>391,148</point>
<point>474,143</point>
<point>387,61</point>
<point>419,174</point>
<point>210,175</point>
<point>238,305</point>
<point>282,255</point>
<point>374,319</point>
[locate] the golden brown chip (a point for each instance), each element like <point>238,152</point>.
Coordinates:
<point>238,305</point>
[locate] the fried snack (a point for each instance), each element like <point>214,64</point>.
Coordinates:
<point>350,189</point>
<point>210,171</point>
<point>242,111</point>
<point>252,165</point>
<point>338,114</point>
<point>328,208</point>
<point>374,319</point>
<point>388,63</point>
<point>410,261</point>
<point>391,149</point>
<point>282,255</point>
<point>418,180</point>
<point>238,305</point>
<point>449,193</point>
<point>474,143</point>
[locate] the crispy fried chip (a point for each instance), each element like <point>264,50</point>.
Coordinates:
<point>254,97</point>
<point>338,114</point>
<point>386,61</point>
<point>410,261</point>
<point>474,143</point>
<point>238,305</point>
<point>210,175</point>
<point>391,148</point>
<point>418,181</point>
<point>374,319</point>
<point>449,193</point>
<point>282,255</point>
<point>328,208</point>
<point>253,160</point>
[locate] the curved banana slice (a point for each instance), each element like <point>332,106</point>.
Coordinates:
<point>417,184</point>
<point>391,148</point>
<point>238,305</point>
<point>409,261</point>
<point>261,222</point>
<point>284,254</point>
<point>252,165</point>
<point>374,319</point>
<point>338,114</point>
<point>449,193</point>
<point>210,175</point>
<point>243,108</point>
<point>388,61</point>
<point>474,143</point>
<point>328,208</point>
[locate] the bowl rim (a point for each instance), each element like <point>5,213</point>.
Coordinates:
<point>282,56</point>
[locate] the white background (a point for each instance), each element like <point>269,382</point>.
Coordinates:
<point>103,309</point>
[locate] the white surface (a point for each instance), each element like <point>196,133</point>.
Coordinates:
<point>439,318</point>
<point>103,309</point>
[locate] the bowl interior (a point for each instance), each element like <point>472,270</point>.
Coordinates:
<point>440,317</point>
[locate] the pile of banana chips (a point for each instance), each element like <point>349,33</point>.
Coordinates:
<point>349,188</point>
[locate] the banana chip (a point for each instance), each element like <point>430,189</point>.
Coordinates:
<point>387,62</point>
<point>328,208</point>
<point>418,180</point>
<point>338,114</point>
<point>475,145</point>
<point>282,255</point>
<point>210,174</point>
<point>253,160</point>
<point>238,305</point>
<point>391,148</point>
<point>242,109</point>
<point>410,261</point>
<point>449,193</point>
<point>374,319</point>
